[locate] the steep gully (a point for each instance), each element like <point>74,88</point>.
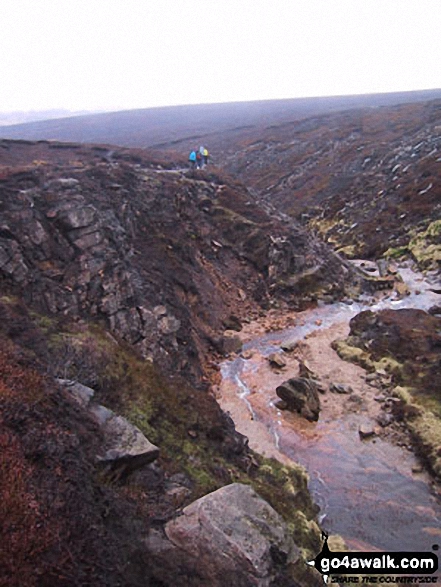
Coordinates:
<point>372,492</point>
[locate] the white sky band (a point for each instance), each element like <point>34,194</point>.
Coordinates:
<point>122,54</point>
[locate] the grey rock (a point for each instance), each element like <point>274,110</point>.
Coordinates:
<point>289,345</point>
<point>101,414</point>
<point>64,182</point>
<point>231,344</point>
<point>276,360</point>
<point>232,323</point>
<point>305,371</point>
<point>160,311</point>
<point>385,419</point>
<point>88,241</point>
<point>341,388</point>
<point>366,431</point>
<point>82,394</point>
<point>281,405</point>
<point>231,537</point>
<point>126,447</point>
<point>78,217</point>
<point>168,325</point>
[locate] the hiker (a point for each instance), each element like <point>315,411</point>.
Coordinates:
<point>199,160</point>
<point>192,159</point>
<point>205,156</point>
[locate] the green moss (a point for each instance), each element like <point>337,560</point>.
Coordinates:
<point>45,323</point>
<point>141,416</point>
<point>403,393</point>
<point>425,246</point>
<point>425,428</point>
<point>305,532</point>
<point>396,252</point>
<point>10,300</point>
<point>426,431</point>
<point>434,229</point>
<point>353,354</point>
<point>389,365</point>
<point>349,251</point>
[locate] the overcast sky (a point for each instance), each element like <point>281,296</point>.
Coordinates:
<point>122,54</point>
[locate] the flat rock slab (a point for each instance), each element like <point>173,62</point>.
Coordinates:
<point>125,446</point>
<point>232,537</point>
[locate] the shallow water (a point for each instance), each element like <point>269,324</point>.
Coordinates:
<point>367,490</point>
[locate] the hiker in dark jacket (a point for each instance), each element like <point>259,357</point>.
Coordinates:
<point>199,160</point>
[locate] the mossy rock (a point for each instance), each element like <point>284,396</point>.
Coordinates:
<point>349,251</point>
<point>390,365</point>
<point>426,431</point>
<point>426,247</point>
<point>402,393</point>
<point>353,354</point>
<point>396,252</point>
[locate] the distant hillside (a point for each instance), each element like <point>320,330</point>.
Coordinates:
<point>185,125</point>
<point>366,180</point>
<point>24,117</point>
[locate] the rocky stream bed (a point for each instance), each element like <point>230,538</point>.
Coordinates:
<point>369,484</point>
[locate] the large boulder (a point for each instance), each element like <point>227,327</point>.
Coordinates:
<point>231,537</point>
<point>300,394</point>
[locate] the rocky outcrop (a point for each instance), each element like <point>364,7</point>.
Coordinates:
<point>300,395</point>
<point>164,259</point>
<point>229,538</point>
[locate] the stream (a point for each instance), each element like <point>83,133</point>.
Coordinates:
<point>372,492</point>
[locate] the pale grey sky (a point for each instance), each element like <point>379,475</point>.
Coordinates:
<point>122,54</point>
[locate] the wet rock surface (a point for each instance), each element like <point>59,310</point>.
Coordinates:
<point>366,443</point>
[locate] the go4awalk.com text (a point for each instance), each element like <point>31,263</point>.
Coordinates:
<point>376,568</point>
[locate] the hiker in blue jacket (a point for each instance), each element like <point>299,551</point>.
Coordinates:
<point>192,159</point>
